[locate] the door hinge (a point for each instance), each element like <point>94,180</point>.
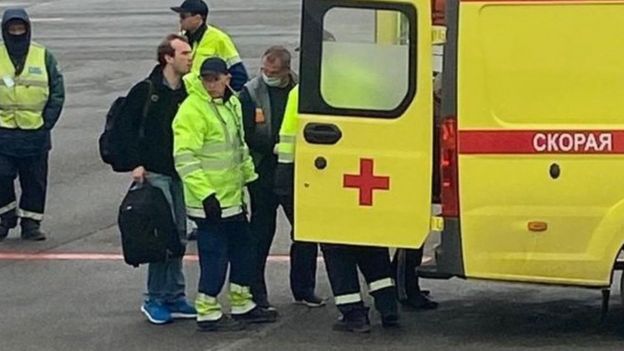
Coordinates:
<point>437,223</point>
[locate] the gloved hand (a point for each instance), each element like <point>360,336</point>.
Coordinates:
<point>212,208</point>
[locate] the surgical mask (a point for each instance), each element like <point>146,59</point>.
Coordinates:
<point>274,82</point>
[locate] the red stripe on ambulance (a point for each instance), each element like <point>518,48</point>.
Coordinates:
<point>541,142</point>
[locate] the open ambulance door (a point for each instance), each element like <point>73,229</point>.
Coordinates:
<point>364,144</point>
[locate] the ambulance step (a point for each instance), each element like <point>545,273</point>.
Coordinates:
<point>431,272</point>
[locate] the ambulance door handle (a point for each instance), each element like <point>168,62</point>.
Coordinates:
<point>322,133</point>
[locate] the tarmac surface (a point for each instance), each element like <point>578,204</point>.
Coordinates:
<point>73,292</point>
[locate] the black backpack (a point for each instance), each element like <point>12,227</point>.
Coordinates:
<point>148,231</point>
<point>113,140</point>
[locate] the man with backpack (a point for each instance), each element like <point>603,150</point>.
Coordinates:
<point>148,113</point>
<point>31,99</point>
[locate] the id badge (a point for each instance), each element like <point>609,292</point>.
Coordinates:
<point>259,116</point>
<point>8,81</point>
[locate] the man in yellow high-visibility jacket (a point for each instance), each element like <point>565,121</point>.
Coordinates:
<point>209,41</point>
<point>213,161</point>
<point>31,99</point>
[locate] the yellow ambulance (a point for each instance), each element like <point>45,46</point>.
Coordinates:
<point>531,158</point>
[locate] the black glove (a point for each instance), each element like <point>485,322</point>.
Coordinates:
<point>212,208</point>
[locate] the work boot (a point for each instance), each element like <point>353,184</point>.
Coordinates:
<point>31,230</point>
<point>263,302</point>
<point>390,320</point>
<point>192,236</point>
<point>257,315</point>
<point>355,321</point>
<point>386,304</point>
<point>6,224</point>
<point>4,232</point>
<point>223,324</point>
<point>420,302</point>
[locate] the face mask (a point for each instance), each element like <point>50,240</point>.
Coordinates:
<point>274,82</point>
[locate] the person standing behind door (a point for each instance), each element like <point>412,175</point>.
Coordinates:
<point>264,102</point>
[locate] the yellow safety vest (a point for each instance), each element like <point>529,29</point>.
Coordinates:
<point>23,97</point>
<point>288,131</point>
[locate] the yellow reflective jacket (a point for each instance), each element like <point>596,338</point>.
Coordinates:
<point>288,130</point>
<point>210,153</point>
<point>214,43</point>
<point>24,97</point>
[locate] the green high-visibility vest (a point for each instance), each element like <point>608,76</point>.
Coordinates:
<point>288,131</point>
<point>24,97</point>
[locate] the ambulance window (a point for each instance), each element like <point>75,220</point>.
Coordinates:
<point>365,59</point>
<point>358,58</point>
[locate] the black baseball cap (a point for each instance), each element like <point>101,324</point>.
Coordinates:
<point>213,66</point>
<point>192,6</point>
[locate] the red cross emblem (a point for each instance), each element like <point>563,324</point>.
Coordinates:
<point>366,182</point>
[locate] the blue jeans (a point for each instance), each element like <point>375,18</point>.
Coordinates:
<point>165,280</point>
<point>221,244</point>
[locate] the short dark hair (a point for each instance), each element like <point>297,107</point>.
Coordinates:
<point>166,49</point>
<point>280,53</point>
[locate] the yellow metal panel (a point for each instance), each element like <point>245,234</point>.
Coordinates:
<point>400,148</point>
<point>537,67</point>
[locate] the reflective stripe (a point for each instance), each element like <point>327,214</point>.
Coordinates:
<point>217,165</point>
<point>283,157</point>
<point>231,211</point>
<point>195,212</point>
<point>287,138</point>
<point>208,308</point>
<point>185,157</point>
<point>232,61</point>
<point>209,317</point>
<point>31,82</point>
<point>9,207</point>
<point>380,284</point>
<point>32,215</point>
<point>206,165</point>
<point>239,288</point>
<point>23,107</point>
<point>347,299</point>
<point>212,148</point>
<point>241,299</point>
<point>248,306</point>
<point>188,169</point>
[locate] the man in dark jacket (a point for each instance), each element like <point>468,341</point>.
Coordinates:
<point>149,139</point>
<point>264,102</point>
<point>31,99</point>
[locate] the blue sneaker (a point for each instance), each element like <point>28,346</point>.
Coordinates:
<point>156,313</point>
<point>180,308</point>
